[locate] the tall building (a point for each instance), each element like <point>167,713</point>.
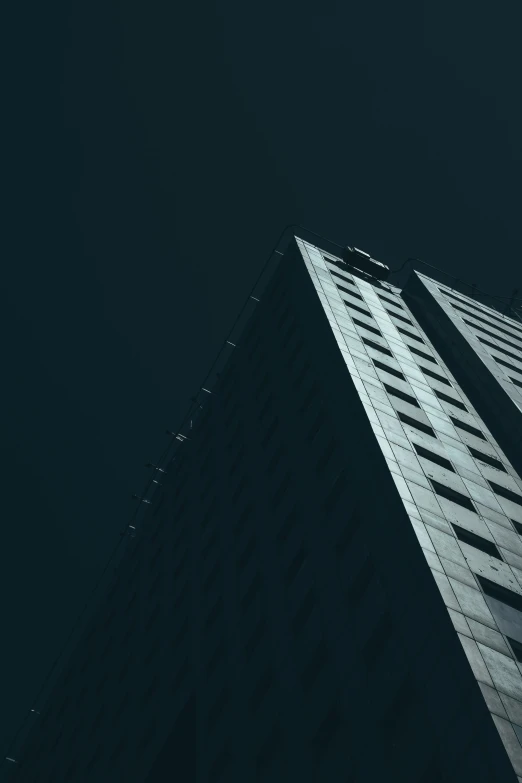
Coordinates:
<point>328,584</point>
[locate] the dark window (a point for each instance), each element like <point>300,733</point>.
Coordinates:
<point>495,463</point>
<point>500,593</point>
<point>247,553</point>
<point>506,493</point>
<point>376,346</point>
<point>426,356</point>
<point>211,578</point>
<point>326,456</point>
<point>295,566</point>
<point>360,583</point>
<point>347,290</point>
<point>450,400</point>
<point>345,277</point>
<point>269,752</point>
<point>220,764</point>
<point>452,494</point>
<point>517,526</point>
<point>376,644</point>
<point>400,317</point>
<point>516,381</point>
<point>304,612</point>
<point>313,669</point>
<point>517,648</point>
<point>401,395</point>
<point>444,463</point>
<point>270,431</point>
<point>477,541</point>
<point>251,593</point>
<point>274,461</point>
<point>479,309</point>
<point>435,375</point>
<point>505,331</point>
<point>406,333</point>
<point>215,611</point>
<point>419,425</point>
<point>352,306</point>
<point>508,365</point>
<point>468,428</point>
<point>288,525</point>
<point>366,326</point>
<point>281,491</point>
<point>390,301</point>
<point>326,733</point>
<point>502,350</point>
<point>255,638</point>
<point>336,490</point>
<point>351,293</point>
<point>312,393</point>
<point>262,687</point>
<point>318,423</point>
<point>387,368</point>
<point>491,334</point>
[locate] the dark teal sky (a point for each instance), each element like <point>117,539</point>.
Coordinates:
<point>154,155</point>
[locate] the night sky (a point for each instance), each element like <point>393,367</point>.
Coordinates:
<point>155,153</point>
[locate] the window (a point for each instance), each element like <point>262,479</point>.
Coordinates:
<point>499,593</point>
<point>451,494</point>
<point>352,306</point>
<point>390,301</point>
<point>517,526</point>
<point>495,463</point>
<point>502,350</point>
<point>506,493</point>
<point>366,326</point>
<point>468,428</point>
<point>347,290</point>
<point>419,425</point>
<point>376,346</point>
<point>351,293</point>
<point>336,490</point>
<point>516,647</point>
<point>450,400</point>
<point>262,687</point>
<point>477,541</point>
<point>295,566</point>
<point>346,277</point>
<point>401,395</point>
<point>247,553</point>
<point>387,368</point>
<point>508,365</point>
<point>480,309</point>
<point>255,638</point>
<point>318,423</point>
<point>313,669</point>
<point>326,456</point>
<point>444,463</point>
<point>304,612</point>
<point>491,334</point>
<point>516,381</point>
<point>436,376</point>
<point>400,317</point>
<point>375,646</point>
<point>288,525</point>
<point>423,355</point>
<point>409,334</point>
<point>505,331</point>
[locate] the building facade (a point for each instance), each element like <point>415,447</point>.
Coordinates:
<point>328,585</point>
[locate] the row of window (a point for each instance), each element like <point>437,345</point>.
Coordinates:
<point>481,310</point>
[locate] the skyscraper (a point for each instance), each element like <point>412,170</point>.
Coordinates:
<point>328,584</point>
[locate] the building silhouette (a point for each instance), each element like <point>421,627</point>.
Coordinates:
<point>327,585</point>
